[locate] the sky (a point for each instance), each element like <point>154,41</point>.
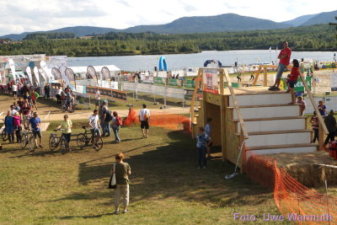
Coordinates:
<point>19,16</point>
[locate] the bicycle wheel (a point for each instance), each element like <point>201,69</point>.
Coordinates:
<point>63,145</point>
<point>53,142</point>
<point>4,135</point>
<point>99,143</point>
<point>24,141</point>
<point>81,141</point>
<point>31,144</point>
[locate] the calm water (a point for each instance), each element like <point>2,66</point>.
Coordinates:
<point>180,61</point>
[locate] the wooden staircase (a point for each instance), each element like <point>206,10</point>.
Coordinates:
<point>273,125</point>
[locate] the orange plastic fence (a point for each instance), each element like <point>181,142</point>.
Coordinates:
<point>169,121</point>
<point>296,202</point>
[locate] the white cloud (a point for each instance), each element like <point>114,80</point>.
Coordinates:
<point>33,15</point>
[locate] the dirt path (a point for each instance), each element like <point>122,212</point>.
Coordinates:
<point>51,113</point>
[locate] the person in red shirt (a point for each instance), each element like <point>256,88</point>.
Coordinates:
<point>284,57</point>
<point>292,79</point>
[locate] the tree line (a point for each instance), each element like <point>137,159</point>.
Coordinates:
<point>311,38</point>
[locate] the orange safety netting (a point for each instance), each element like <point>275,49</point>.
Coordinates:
<point>296,202</point>
<point>169,121</point>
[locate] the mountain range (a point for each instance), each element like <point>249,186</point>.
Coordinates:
<point>199,24</point>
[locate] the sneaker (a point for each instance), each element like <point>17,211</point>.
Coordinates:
<point>125,211</point>
<point>271,88</point>
<point>116,213</point>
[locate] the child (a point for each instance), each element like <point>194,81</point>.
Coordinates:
<point>292,79</point>
<point>301,104</point>
<point>322,108</point>
<point>314,124</point>
<point>202,148</point>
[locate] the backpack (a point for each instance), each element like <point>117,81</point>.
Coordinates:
<point>119,121</point>
<point>108,116</point>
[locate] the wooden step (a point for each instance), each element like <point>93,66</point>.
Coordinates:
<point>277,149</point>
<point>273,118</point>
<point>262,99</point>
<point>278,138</point>
<point>264,125</point>
<point>257,148</point>
<point>259,106</point>
<point>278,132</point>
<point>267,111</point>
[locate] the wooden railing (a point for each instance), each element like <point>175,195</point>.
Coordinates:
<point>322,127</point>
<point>224,73</point>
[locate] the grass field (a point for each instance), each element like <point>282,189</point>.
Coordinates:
<point>47,187</point>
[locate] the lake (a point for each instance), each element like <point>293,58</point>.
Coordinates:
<point>181,61</point>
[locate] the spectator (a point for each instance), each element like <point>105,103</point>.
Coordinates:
<point>144,118</point>
<point>330,123</point>
<point>322,108</point>
<point>94,125</point>
<point>122,171</point>
<point>105,118</point>
<point>116,124</point>
<point>34,96</point>
<point>47,91</point>
<point>13,110</point>
<point>201,147</point>
<point>284,57</point>
<point>26,113</point>
<point>14,89</point>
<point>9,127</point>
<point>17,126</point>
<point>208,130</point>
<point>35,123</point>
<point>301,103</point>
<point>58,95</point>
<point>66,126</point>
<point>314,124</point>
<point>292,79</point>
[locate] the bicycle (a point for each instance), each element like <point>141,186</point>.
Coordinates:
<point>3,135</point>
<point>26,135</point>
<point>58,141</point>
<point>86,138</point>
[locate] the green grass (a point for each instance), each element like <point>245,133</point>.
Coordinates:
<point>166,188</point>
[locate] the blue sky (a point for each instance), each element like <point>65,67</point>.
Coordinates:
<point>33,15</point>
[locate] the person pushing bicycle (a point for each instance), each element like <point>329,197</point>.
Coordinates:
<point>94,127</point>
<point>66,126</point>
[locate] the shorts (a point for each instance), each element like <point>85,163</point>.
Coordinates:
<point>95,131</point>
<point>280,69</point>
<point>67,137</point>
<point>144,124</point>
<point>37,134</point>
<point>291,83</point>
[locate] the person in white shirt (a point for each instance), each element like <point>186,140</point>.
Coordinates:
<point>144,118</point>
<point>94,126</point>
<point>14,89</point>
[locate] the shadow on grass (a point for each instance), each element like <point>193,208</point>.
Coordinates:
<point>171,171</point>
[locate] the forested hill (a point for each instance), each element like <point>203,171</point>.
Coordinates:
<point>228,22</point>
<point>311,38</point>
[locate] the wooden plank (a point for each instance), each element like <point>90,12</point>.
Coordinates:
<point>280,146</point>
<point>278,132</point>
